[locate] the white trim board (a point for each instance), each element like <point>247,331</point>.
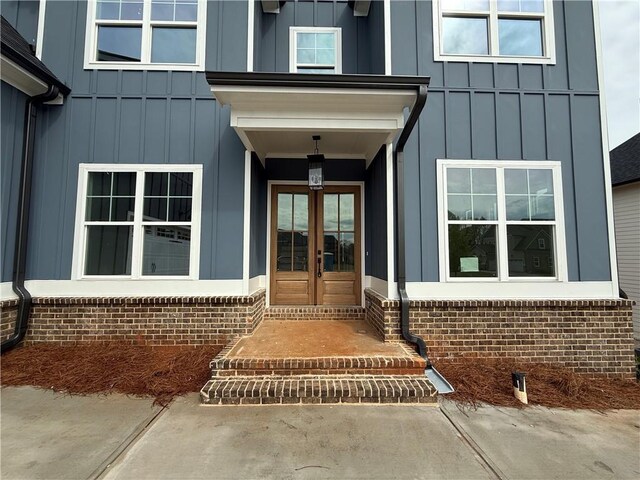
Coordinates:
<point>376,284</point>
<point>511,290</point>
<point>42,10</point>
<point>134,288</point>
<point>246,234</point>
<point>256,283</point>
<point>251,12</point>
<point>605,151</point>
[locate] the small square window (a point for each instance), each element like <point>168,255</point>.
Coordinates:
<point>315,50</point>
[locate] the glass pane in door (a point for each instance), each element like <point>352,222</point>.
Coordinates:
<point>292,248</point>
<point>339,232</point>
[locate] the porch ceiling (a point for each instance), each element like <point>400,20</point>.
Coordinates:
<point>277,118</point>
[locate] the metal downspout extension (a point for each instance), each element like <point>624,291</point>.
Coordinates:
<point>22,226</point>
<point>434,376</point>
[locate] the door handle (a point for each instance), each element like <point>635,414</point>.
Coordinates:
<point>319,263</point>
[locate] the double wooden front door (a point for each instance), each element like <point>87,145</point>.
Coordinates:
<point>315,246</point>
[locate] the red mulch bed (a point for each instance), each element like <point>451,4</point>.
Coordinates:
<point>167,372</point>
<point>489,381</point>
<point>160,372</point>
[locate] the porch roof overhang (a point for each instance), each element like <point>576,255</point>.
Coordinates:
<point>275,114</point>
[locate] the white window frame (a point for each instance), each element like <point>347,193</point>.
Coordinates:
<point>293,47</point>
<point>80,236</point>
<point>91,40</point>
<point>548,35</point>
<point>502,253</point>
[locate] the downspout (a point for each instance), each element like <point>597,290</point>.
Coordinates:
<point>398,157</point>
<point>22,226</point>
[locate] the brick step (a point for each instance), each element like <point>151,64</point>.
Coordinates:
<point>324,389</point>
<point>312,312</point>
<point>371,365</point>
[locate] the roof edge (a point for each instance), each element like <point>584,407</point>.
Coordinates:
<point>270,79</point>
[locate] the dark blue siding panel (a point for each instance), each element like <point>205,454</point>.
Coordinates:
<point>375,208</point>
<point>130,130</point>
<point>484,126</point>
<point>258,236</point>
<point>298,169</point>
<point>12,109</point>
<point>362,38</point>
<point>590,193</point>
<point>23,15</point>
<point>458,124</point>
<point>559,148</point>
<point>508,120</point>
<point>533,128</point>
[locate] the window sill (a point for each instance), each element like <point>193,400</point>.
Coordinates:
<point>494,59</point>
<point>132,66</point>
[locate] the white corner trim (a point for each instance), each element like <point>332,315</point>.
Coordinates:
<point>511,291</point>
<point>605,150</point>
<point>246,234</point>
<point>548,36</point>
<point>6,292</point>
<point>40,35</point>
<point>133,288</point>
<point>387,37</point>
<point>391,255</point>
<point>250,33</point>
<point>91,42</point>
<point>257,283</point>
<point>376,284</point>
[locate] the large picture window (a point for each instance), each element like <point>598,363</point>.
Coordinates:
<point>149,34</point>
<point>315,50</point>
<point>138,221</point>
<point>500,220</point>
<point>494,30</point>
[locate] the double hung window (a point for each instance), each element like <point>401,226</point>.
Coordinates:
<point>315,50</point>
<point>138,221</point>
<point>501,221</point>
<point>494,30</point>
<point>154,34</point>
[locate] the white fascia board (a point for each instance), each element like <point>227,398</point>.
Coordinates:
<point>356,123</point>
<point>542,290</point>
<point>18,77</point>
<point>134,288</point>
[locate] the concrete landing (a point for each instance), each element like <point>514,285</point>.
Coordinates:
<point>314,338</point>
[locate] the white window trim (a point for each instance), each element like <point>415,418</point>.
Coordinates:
<point>548,37</point>
<point>293,43</point>
<point>560,253</point>
<point>77,271</point>
<point>91,41</point>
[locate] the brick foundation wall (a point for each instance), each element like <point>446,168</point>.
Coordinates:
<point>8,314</point>
<point>588,336</point>
<point>147,321</point>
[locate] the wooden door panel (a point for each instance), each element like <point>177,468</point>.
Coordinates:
<point>291,269</point>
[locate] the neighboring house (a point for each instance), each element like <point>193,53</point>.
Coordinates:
<point>625,178</point>
<point>171,199</point>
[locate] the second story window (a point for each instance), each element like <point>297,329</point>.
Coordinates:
<point>315,50</point>
<point>494,31</point>
<point>146,34</point>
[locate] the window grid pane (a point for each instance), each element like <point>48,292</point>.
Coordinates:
<point>316,52</point>
<point>529,227</point>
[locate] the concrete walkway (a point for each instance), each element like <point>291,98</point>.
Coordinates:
<point>48,436</point>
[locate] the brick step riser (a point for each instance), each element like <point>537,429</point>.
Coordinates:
<point>301,314</point>
<point>418,371</point>
<point>323,390</point>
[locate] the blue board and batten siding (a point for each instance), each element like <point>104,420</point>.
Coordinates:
<point>138,117</point>
<point>362,37</point>
<point>512,112</point>
<point>23,16</point>
<point>375,217</point>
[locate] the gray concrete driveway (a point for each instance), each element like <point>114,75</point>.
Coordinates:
<point>44,436</point>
